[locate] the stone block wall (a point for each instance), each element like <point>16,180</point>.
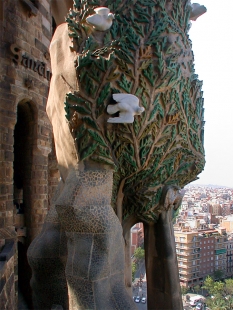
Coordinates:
<point>25,132</point>
<point>53,174</point>
<point>7,277</point>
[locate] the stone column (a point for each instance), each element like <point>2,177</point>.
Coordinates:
<point>161,263</point>
<point>35,193</point>
<point>128,267</point>
<point>95,262</point>
<point>127,224</point>
<point>47,258</point>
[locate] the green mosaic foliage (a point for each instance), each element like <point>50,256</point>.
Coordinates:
<point>146,52</point>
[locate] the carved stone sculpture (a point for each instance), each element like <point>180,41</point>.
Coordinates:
<point>102,20</point>
<point>197,11</point>
<point>132,171</point>
<point>127,105</point>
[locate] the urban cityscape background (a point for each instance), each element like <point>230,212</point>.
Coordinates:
<point>203,229</point>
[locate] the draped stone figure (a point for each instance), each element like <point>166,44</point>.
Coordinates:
<point>127,113</point>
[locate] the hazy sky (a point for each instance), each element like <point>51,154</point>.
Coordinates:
<point>212,37</point>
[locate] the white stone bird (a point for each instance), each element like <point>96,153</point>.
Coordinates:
<point>102,20</point>
<point>127,105</point>
<point>197,11</point>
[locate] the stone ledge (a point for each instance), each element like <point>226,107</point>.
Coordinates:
<point>7,233</point>
<point>30,7</point>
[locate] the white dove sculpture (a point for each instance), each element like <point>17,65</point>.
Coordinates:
<point>102,20</point>
<point>127,105</point>
<point>197,11</point>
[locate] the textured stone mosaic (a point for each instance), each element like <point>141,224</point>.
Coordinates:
<point>92,247</point>
<point>93,232</point>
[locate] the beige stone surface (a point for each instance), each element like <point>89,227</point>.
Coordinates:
<point>63,80</point>
<point>59,7</point>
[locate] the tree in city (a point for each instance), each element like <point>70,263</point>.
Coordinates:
<point>229,302</point>
<point>187,298</point>
<point>216,303</point>
<point>184,290</point>
<point>218,274</point>
<point>221,294</point>
<point>196,288</point>
<point>214,288</point>
<point>175,215</point>
<point>139,253</point>
<point>134,268</point>
<point>228,288</point>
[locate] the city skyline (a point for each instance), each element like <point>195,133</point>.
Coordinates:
<point>212,47</point>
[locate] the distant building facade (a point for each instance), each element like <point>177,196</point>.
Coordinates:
<point>230,256</point>
<point>227,223</point>
<point>137,237</point>
<point>200,253</point>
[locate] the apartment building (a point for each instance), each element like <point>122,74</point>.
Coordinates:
<point>215,209</point>
<point>221,251</point>
<point>229,262</point>
<point>188,256</point>
<point>226,209</point>
<point>199,254</point>
<point>227,223</point>
<point>207,253</point>
<point>137,236</point>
